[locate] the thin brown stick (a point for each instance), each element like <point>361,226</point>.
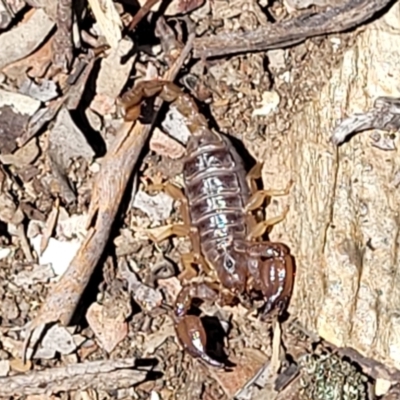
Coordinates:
<point>109,187</point>
<point>63,46</point>
<point>283,34</point>
<point>101,375</point>
<point>141,13</point>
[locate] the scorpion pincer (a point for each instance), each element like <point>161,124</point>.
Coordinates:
<point>217,216</point>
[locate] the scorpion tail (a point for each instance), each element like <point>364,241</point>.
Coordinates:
<point>191,334</point>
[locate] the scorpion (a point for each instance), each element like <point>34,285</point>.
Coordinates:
<point>217,207</point>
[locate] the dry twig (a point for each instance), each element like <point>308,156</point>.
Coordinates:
<point>288,33</point>
<point>103,375</point>
<point>109,187</point>
<point>141,13</point>
<point>63,46</point>
<point>384,115</point>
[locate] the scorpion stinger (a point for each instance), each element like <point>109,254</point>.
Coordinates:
<point>189,328</point>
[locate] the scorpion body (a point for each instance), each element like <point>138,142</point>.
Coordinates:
<point>217,193</point>
<point>216,210</point>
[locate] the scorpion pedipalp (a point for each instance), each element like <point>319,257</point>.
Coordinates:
<point>275,273</point>
<point>189,328</point>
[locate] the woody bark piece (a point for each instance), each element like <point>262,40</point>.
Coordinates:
<point>116,169</point>
<point>343,222</point>
<point>63,46</point>
<point>287,33</point>
<point>101,375</point>
<point>385,115</point>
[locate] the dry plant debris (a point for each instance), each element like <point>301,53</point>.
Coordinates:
<point>85,296</point>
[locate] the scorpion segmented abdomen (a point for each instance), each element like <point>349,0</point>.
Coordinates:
<point>216,189</point>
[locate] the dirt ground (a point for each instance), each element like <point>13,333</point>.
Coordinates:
<point>87,297</point>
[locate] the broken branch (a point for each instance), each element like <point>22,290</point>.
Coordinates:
<point>109,187</point>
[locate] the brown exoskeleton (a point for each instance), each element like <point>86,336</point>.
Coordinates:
<point>216,210</point>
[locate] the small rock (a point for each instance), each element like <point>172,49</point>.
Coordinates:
<point>58,254</point>
<point>247,365</point>
<point>38,274</point>
<point>20,103</point>
<point>79,339</point>
<point>24,38</point>
<point>172,286</point>
<point>157,207</point>
<point>108,22</point>
<point>156,339</point>
<point>154,396</point>
<point>277,59</point>
<point>147,297</point>
<point>4,253</point>
<point>9,213</point>
<point>382,386</point>
<point>72,226</point>
<point>114,71</point>
<point>66,141</point>
<point>164,145</point>
<point>23,156</point>
<point>59,339</point>
<point>12,126</point>
<point>44,353</point>
<point>95,121</point>
<point>103,104</point>
<point>270,102</point>
<point>45,91</point>
<point>9,309</point>
<point>4,367</point>
<point>17,365</point>
<point>126,243</point>
<point>175,125</point>
<point>109,331</point>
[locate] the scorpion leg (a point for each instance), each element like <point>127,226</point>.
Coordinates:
<point>189,328</point>
<point>253,175</point>
<point>195,256</point>
<point>177,194</point>
<point>168,231</point>
<point>260,228</point>
<point>257,199</point>
<point>132,99</point>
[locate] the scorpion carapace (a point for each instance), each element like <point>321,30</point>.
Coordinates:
<point>216,211</point>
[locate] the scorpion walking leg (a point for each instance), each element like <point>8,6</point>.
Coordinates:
<point>194,257</point>
<point>253,175</point>
<point>257,199</point>
<point>132,99</point>
<point>260,228</point>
